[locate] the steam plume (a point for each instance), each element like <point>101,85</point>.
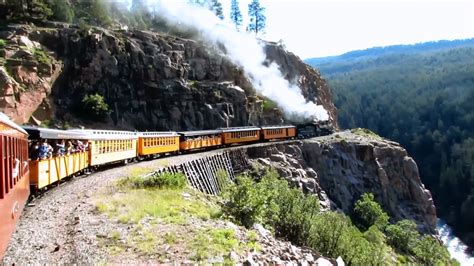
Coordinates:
<point>244,50</point>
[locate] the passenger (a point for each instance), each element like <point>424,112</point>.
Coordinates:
<point>34,151</point>
<point>16,168</point>
<point>50,151</point>
<point>60,148</point>
<point>69,147</point>
<point>44,150</point>
<point>86,145</point>
<point>79,146</point>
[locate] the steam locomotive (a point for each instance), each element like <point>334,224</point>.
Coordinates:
<point>22,172</point>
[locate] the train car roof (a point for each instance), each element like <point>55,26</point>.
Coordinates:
<point>96,134</point>
<point>237,129</point>
<point>158,134</point>
<point>199,133</point>
<point>277,126</point>
<point>48,133</point>
<point>6,120</point>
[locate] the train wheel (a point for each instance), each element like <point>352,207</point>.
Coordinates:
<point>125,162</point>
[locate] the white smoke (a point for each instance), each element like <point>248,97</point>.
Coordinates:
<point>244,50</point>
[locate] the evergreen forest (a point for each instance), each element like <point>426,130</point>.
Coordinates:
<point>423,97</point>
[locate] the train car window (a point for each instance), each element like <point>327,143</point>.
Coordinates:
<point>10,161</point>
<point>7,164</point>
<point>2,168</point>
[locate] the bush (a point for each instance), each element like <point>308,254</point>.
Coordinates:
<point>94,105</point>
<point>269,105</point>
<point>295,214</point>
<point>333,235</point>
<point>62,10</point>
<point>429,251</point>
<point>402,235</point>
<point>41,56</point>
<point>244,202</point>
<point>272,203</point>
<point>3,43</point>
<point>368,212</point>
<point>161,180</point>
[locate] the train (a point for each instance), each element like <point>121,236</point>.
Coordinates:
<point>24,173</point>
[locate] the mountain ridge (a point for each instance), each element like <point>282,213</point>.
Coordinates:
<point>376,51</point>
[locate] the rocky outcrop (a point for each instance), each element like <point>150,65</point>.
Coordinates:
<point>26,76</point>
<point>343,166</point>
<point>149,80</point>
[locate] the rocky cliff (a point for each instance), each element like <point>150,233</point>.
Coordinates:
<point>149,80</point>
<point>343,166</point>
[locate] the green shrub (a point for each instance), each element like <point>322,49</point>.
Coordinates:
<point>3,43</point>
<point>333,235</point>
<point>41,56</point>
<point>62,10</point>
<point>428,251</point>
<point>272,203</point>
<point>161,180</point>
<point>367,212</point>
<point>269,105</point>
<point>402,235</point>
<point>296,211</point>
<point>244,202</point>
<point>94,105</point>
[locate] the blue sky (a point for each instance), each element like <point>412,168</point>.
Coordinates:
<point>313,28</point>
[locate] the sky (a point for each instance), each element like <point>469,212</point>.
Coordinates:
<point>317,28</point>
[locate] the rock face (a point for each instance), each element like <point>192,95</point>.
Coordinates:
<point>149,80</point>
<point>343,166</point>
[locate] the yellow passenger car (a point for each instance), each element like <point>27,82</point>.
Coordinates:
<point>278,132</point>
<point>109,146</point>
<point>45,171</point>
<point>194,140</point>
<point>156,143</point>
<point>233,135</point>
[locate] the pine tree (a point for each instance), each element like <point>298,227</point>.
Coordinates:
<point>62,10</point>
<point>235,15</point>
<point>257,17</point>
<point>216,7</point>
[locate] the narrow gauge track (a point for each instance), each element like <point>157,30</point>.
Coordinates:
<point>62,225</point>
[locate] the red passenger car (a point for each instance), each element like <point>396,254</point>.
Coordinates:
<point>14,180</point>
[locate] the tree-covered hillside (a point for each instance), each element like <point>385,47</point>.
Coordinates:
<point>423,97</point>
